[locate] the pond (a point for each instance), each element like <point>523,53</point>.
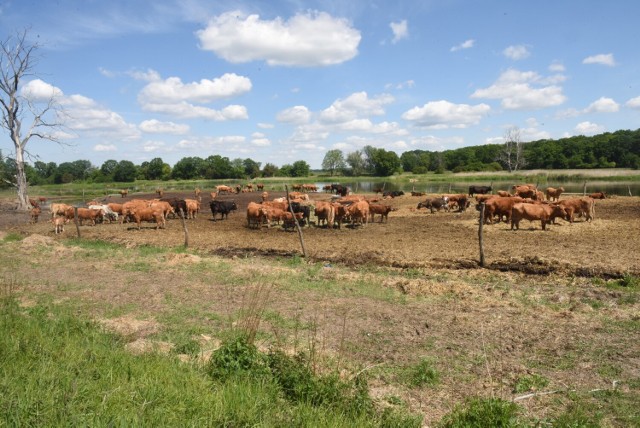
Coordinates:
<point>620,188</point>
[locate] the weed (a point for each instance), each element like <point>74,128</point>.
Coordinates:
<point>576,416</point>
<point>530,383</point>
<point>13,237</point>
<point>481,413</point>
<point>423,373</point>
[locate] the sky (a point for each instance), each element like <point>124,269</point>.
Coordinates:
<point>280,81</point>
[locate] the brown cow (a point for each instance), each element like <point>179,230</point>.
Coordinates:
<point>598,195</point>
<point>553,194</point>
<point>341,213</point>
<point>260,186</point>
<point>164,206</point>
<point>223,189</point>
<point>383,210</point>
<point>503,194</point>
<point>160,193</point>
<point>579,206</point>
<point>86,214</point>
<point>500,207</point>
<point>124,192</point>
<point>524,191</point>
<point>58,224</point>
<point>359,212</point>
<point>256,214</point>
<point>35,213</point>
<point>193,208</point>
<point>532,212</point>
<point>58,209</point>
<point>147,214</point>
<point>325,213</point>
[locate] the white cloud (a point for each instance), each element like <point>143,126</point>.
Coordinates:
<point>516,90</point>
<point>588,128</point>
<point>189,111</point>
<point>400,30</point>
<point>265,125</point>
<point>229,142</point>
<point>146,76</point>
<point>603,105</point>
<point>154,126</point>
<point>633,103</point>
<point>295,115</point>
<point>260,142</point>
<point>444,114</point>
<point>556,67</point>
<point>104,148</point>
<point>516,52</point>
<point>356,105</point>
<point>305,40</point>
<point>603,59</point>
<point>38,90</point>
<point>172,90</point>
<point>153,146</point>
<point>467,44</point>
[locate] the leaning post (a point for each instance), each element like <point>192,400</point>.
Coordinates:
<point>480,234</point>
<point>75,220</point>
<point>184,228</point>
<point>295,221</point>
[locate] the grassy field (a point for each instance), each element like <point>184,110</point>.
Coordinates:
<point>96,333</point>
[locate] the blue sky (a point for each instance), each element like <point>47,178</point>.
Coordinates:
<point>280,81</point>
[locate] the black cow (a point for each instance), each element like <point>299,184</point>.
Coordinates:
<point>340,189</point>
<point>482,190</point>
<point>392,194</point>
<point>305,210</point>
<point>222,207</point>
<point>434,204</point>
<point>177,205</point>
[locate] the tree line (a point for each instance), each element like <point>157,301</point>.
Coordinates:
<point>608,150</point>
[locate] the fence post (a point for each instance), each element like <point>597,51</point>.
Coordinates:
<point>584,189</point>
<point>184,227</point>
<point>480,234</point>
<point>75,220</point>
<point>295,221</point>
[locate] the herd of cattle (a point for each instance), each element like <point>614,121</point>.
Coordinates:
<point>524,202</point>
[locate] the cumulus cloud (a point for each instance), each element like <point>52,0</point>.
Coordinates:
<point>557,67</point>
<point>173,90</point>
<point>153,146</point>
<point>305,40</point>
<point>104,148</point>
<point>444,114</point>
<point>154,126</point>
<point>467,44</point>
<point>260,140</point>
<point>588,128</point>
<point>400,30</point>
<point>633,103</point>
<point>356,105</point>
<point>189,111</point>
<point>146,76</point>
<point>229,142</point>
<point>516,52</point>
<point>516,90</point>
<point>603,105</point>
<point>38,90</point>
<point>603,59</point>
<point>296,115</point>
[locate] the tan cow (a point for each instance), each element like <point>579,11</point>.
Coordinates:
<point>256,214</point>
<point>553,194</point>
<point>164,206</point>
<point>581,206</point>
<point>87,214</point>
<point>325,212</point>
<point>124,192</point>
<point>58,224</point>
<point>223,189</point>
<point>148,214</point>
<point>544,212</point>
<point>59,209</point>
<point>359,212</point>
<point>383,210</point>
<point>193,208</point>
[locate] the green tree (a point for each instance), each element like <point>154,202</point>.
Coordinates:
<point>270,170</point>
<point>108,167</point>
<point>333,160</point>
<point>125,172</point>
<point>251,168</point>
<point>385,162</point>
<point>155,169</point>
<point>356,162</point>
<point>300,169</point>
<point>187,168</point>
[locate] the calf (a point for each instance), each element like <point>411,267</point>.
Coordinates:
<point>553,194</point>
<point>598,195</point>
<point>35,213</point>
<point>223,208</point>
<point>58,224</point>
<point>434,204</point>
<point>533,212</point>
<point>383,210</point>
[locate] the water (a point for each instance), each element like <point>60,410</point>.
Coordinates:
<point>620,188</point>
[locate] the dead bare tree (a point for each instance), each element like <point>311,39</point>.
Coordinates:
<point>39,114</point>
<point>512,154</point>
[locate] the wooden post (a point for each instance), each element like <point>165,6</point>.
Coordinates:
<point>629,189</point>
<point>480,235</point>
<point>184,227</point>
<point>449,188</point>
<point>295,221</point>
<point>584,189</point>
<point>75,220</point>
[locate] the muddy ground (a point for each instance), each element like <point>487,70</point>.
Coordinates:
<point>607,247</point>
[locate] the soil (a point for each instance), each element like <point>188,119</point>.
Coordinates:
<point>608,247</point>
<point>534,310</point>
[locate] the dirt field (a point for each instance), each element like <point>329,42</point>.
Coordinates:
<point>486,329</point>
<point>606,247</point>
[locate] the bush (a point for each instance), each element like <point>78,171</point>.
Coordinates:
<point>236,357</point>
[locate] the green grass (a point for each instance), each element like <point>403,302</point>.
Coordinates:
<point>531,382</point>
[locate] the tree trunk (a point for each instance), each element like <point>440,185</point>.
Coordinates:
<point>21,182</point>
